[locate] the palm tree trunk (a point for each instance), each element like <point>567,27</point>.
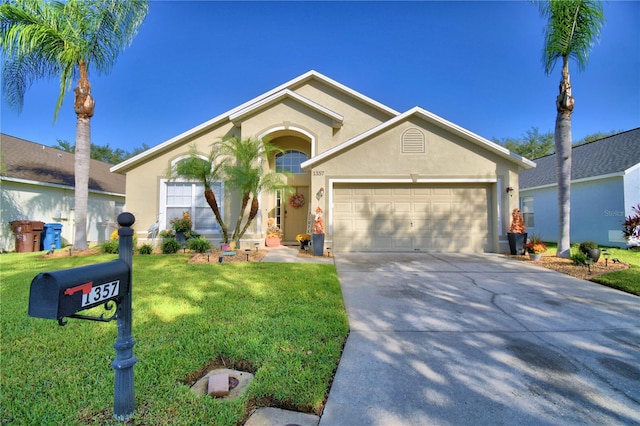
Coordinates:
<point>564,105</point>
<point>236,231</point>
<point>213,203</point>
<point>252,214</point>
<point>84,108</point>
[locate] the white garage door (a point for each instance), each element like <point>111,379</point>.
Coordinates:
<point>412,217</point>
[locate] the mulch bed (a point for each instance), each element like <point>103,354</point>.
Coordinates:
<point>240,256</point>
<point>548,261</point>
<point>566,266</point>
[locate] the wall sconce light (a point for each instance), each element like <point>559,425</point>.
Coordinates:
<point>509,191</point>
<point>319,194</point>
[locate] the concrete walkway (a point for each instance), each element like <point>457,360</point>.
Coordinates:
<point>289,254</point>
<point>460,339</point>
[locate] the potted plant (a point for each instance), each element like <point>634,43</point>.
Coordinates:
<point>303,239</point>
<point>318,234</point>
<point>273,234</point>
<point>535,247</point>
<point>591,250</point>
<point>182,226</point>
<point>517,234</point>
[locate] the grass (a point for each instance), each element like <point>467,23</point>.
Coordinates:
<point>626,280</point>
<point>285,322</point>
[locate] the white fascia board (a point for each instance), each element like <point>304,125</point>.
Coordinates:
<point>500,150</point>
<point>346,144</point>
<point>479,140</point>
<point>238,117</point>
<point>57,186</point>
<point>225,116</point>
<point>632,169</point>
<point>573,182</point>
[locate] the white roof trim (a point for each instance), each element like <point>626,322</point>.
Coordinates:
<point>239,116</point>
<point>225,116</point>
<point>500,150</point>
<point>583,180</point>
<point>56,185</point>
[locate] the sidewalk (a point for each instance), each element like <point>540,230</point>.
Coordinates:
<point>289,254</point>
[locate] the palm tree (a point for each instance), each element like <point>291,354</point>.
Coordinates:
<point>241,164</point>
<point>207,172</point>
<point>247,174</point>
<point>573,27</point>
<point>42,39</point>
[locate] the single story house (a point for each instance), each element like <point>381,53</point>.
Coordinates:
<point>385,180</point>
<point>38,185</point>
<point>605,184</point>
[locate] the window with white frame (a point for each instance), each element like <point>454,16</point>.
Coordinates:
<point>527,212</point>
<point>290,161</point>
<point>183,196</point>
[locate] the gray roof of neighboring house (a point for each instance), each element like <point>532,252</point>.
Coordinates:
<point>31,161</point>
<point>613,154</point>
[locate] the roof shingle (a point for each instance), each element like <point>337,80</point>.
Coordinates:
<point>31,161</point>
<point>613,154</point>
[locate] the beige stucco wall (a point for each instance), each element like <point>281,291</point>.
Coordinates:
<point>358,117</point>
<point>22,201</point>
<point>447,157</point>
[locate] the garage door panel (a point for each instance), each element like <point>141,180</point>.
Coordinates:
<point>414,217</point>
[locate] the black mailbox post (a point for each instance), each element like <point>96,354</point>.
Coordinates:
<point>61,294</point>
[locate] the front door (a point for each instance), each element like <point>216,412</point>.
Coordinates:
<point>294,220</point>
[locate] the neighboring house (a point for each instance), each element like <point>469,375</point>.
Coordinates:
<point>605,184</point>
<point>38,184</point>
<point>386,181</point>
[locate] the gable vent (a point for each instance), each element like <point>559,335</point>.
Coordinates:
<point>413,142</point>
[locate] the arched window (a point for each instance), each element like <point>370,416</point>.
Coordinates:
<point>289,161</point>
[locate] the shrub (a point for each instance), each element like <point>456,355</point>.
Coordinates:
<point>111,246</point>
<point>170,245</point>
<point>587,245</point>
<point>631,223</point>
<point>198,244</point>
<point>145,249</point>
<point>578,256</point>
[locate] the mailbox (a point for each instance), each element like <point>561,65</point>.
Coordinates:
<point>59,294</point>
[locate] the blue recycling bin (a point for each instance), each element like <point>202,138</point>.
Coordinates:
<point>52,237</point>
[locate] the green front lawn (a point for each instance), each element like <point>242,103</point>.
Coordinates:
<point>627,280</point>
<point>285,322</point>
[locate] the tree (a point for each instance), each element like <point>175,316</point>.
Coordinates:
<point>532,145</point>
<point>573,26</point>
<point>241,164</point>
<point>102,152</point>
<point>42,39</point>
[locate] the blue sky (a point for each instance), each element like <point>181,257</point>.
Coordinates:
<point>476,64</point>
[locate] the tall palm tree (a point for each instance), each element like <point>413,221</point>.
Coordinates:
<point>573,27</point>
<point>43,39</point>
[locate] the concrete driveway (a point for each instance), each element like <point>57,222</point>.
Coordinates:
<point>459,339</point>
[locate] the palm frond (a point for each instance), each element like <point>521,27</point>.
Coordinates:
<point>573,28</point>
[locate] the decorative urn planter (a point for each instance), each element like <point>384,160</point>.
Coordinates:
<point>272,241</point>
<point>535,256</point>
<point>516,243</point>
<point>317,243</point>
<point>517,234</point>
